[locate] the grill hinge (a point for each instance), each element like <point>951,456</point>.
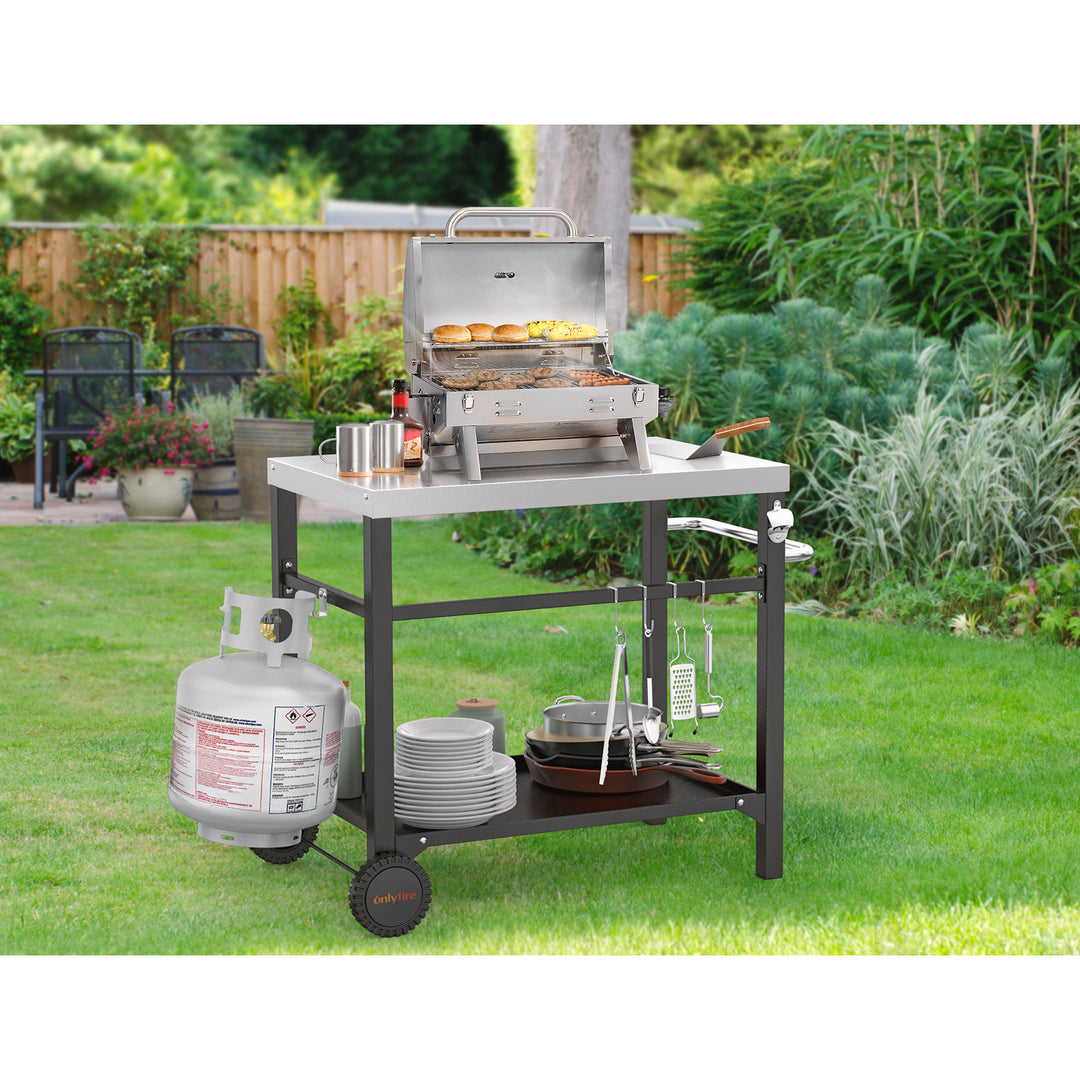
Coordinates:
<point>761,582</point>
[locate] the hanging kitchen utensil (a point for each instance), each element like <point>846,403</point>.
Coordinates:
<point>652,723</point>
<point>707,710</point>
<point>629,707</point>
<point>681,676</point>
<point>620,660</point>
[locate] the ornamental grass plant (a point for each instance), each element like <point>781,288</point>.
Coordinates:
<point>146,437</point>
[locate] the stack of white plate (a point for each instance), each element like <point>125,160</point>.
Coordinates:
<point>446,775</point>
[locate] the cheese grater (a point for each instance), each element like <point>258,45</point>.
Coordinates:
<point>682,680</point>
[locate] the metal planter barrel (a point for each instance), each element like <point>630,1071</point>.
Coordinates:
<point>255,440</point>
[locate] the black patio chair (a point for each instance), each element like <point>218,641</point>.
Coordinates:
<point>87,373</point>
<point>213,360</point>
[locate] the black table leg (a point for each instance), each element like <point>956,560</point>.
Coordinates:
<point>770,694</point>
<point>654,571</point>
<point>283,542</point>
<point>378,686</point>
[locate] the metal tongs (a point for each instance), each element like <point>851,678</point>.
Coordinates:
<point>621,667</point>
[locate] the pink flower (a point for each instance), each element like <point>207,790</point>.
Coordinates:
<point>1032,587</point>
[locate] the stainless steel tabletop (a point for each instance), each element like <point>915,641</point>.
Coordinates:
<point>421,492</point>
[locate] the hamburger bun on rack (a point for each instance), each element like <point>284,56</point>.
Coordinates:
<point>451,334</point>
<point>510,332</point>
<point>481,331</point>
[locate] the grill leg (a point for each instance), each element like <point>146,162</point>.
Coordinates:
<point>468,452</point>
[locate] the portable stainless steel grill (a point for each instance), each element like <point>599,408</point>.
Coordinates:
<point>463,280</point>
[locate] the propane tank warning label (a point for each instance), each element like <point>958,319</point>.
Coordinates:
<point>298,753</point>
<point>218,759</point>
<point>226,761</point>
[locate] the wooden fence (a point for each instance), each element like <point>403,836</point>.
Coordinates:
<point>255,263</point>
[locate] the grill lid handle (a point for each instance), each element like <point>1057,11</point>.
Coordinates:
<point>510,211</point>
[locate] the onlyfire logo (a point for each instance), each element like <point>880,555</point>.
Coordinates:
<point>394,898</point>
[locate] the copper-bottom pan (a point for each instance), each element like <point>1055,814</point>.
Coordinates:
<point>587,781</point>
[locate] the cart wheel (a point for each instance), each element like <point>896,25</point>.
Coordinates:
<point>390,895</point>
<point>282,855</point>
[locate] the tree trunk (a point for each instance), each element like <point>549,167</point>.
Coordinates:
<point>585,170</point>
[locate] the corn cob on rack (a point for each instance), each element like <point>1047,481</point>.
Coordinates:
<point>559,329</point>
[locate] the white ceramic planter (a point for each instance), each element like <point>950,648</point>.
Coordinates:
<point>155,494</point>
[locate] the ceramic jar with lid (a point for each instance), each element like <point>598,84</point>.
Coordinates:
<point>485,709</point>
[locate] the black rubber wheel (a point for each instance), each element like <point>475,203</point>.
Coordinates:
<point>390,895</point>
<point>282,855</point>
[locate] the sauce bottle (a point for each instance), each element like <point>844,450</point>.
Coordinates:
<point>414,431</point>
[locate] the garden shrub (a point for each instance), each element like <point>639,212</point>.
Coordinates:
<point>1048,603</point>
<point>22,326</point>
<point>738,256</point>
<point>23,323</point>
<point>371,354</point>
<point>965,223</point>
<point>131,274</point>
<point>305,316</point>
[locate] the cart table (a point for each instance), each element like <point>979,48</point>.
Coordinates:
<point>380,499</point>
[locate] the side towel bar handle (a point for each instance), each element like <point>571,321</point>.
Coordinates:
<point>793,550</point>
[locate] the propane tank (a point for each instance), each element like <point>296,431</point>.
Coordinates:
<point>257,733</point>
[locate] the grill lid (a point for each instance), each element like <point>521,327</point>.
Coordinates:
<point>500,279</point>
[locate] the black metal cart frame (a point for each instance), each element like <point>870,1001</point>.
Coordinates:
<point>539,809</point>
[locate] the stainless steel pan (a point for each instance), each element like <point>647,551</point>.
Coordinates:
<point>573,716</point>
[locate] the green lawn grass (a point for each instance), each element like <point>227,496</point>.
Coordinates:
<point>931,795</point>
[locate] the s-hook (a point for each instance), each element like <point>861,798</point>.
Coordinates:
<point>620,635</point>
<point>646,627</point>
<point>707,625</point>
<point>675,605</point>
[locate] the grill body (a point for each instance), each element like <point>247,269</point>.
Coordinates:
<point>462,280</point>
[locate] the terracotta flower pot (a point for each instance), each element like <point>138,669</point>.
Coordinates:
<point>24,468</point>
